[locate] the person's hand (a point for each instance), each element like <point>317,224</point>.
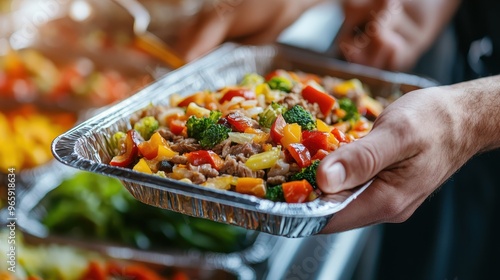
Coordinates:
<point>416,144</point>
<point>245,21</point>
<point>391,34</point>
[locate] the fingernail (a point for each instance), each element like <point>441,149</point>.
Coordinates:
<point>336,176</point>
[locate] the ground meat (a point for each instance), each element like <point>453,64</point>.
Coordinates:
<point>239,169</point>
<point>179,160</point>
<point>205,169</point>
<point>185,145</point>
<point>291,100</point>
<point>222,148</point>
<point>194,176</point>
<point>166,133</point>
<point>294,168</point>
<point>276,180</point>
<point>247,149</point>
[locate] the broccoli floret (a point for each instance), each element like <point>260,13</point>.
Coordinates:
<point>275,193</point>
<point>214,135</point>
<point>206,130</point>
<point>308,173</point>
<point>146,127</point>
<point>350,109</point>
<point>117,140</point>
<point>252,79</point>
<point>297,114</point>
<point>266,118</point>
<point>280,83</point>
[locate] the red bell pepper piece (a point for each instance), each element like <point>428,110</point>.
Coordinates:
<point>297,191</point>
<point>339,135</point>
<point>314,141</point>
<point>277,129</point>
<point>300,154</point>
<point>320,155</point>
<point>203,157</point>
<point>95,271</point>
<point>275,73</point>
<point>324,100</point>
<point>241,92</point>
<point>196,98</point>
<point>239,121</point>
<point>131,151</point>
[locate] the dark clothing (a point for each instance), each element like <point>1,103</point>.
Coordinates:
<point>455,234</point>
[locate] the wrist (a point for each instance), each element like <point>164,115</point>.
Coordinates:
<point>478,107</point>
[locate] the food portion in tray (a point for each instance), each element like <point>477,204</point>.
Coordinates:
<point>96,207</point>
<point>28,75</point>
<point>53,261</point>
<point>26,133</point>
<point>263,137</point>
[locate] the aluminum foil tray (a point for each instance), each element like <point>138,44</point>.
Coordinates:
<point>31,211</point>
<point>86,146</point>
<point>193,264</point>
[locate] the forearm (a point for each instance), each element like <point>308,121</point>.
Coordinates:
<point>478,109</point>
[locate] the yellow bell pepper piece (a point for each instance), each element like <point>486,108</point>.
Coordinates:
<point>165,153</point>
<point>263,160</point>
<point>345,87</point>
<point>322,126</point>
<point>252,186</point>
<point>195,110</point>
<point>292,133</point>
<point>142,166</point>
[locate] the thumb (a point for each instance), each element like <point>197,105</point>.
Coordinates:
<point>354,164</point>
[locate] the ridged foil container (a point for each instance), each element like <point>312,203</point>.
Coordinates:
<point>86,146</point>
<point>31,211</point>
<point>194,264</point>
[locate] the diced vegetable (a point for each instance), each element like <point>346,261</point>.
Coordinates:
<point>344,88</point>
<point>297,191</point>
<point>297,114</point>
<point>239,121</point>
<point>315,140</point>
<point>308,173</point>
<point>252,186</point>
<point>370,106</point>
<point>146,126</point>
<point>196,98</point>
<point>292,133</point>
<point>267,118</point>
<point>350,109</point>
<point>221,183</point>
<point>263,160</point>
<point>277,129</point>
<point>164,153</point>
<point>320,155</point>
<point>322,126</point>
<point>275,193</point>
<point>325,101</point>
<point>149,149</point>
<point>131,150</point>
<point>241,138</point>
<point>203,157</point>
<point>246,93</point>
<point>300,154</point>
<point>280,83</point>
<point>206,130</point>
<point>339,135</point>
<point>252,80</point>
<point>194,110</point>
<point>142,166</point>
